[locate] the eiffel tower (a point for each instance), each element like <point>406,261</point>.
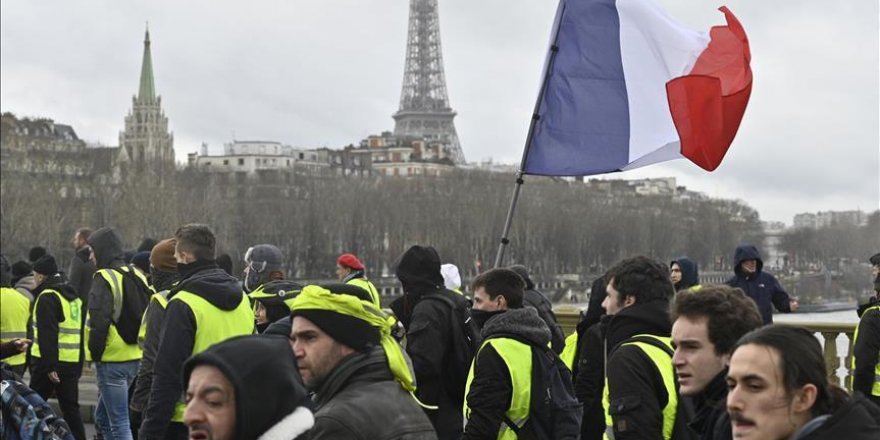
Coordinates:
<point>424,106</point>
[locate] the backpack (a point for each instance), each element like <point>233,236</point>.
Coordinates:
<point>135,300</point>
<point>554,411</point>
<point>466,340</point>
<point>26,416</point>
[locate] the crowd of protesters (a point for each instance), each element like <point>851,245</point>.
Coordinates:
<point>181,347</point>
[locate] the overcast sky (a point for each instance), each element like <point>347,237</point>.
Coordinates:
<point>328,73</point>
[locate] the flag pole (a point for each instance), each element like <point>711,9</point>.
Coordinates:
<point>554,49</point>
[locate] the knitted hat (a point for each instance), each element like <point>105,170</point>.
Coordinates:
<point>349,260</point>
<point>142,261</point>
<point>20,269</point>
<point>162,255</point>
<point>345,329</point>
<point>46,265</point>
<point>35,253</point>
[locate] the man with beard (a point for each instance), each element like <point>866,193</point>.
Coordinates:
<point>346,355</point>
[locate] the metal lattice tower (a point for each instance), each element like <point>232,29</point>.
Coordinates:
<point>424,106</point>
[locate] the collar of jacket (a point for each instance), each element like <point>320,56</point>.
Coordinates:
<point>371,366</point>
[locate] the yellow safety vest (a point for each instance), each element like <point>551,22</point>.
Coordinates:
<point>212,326</point>
<point>69,330</point>
<point>571,346</point>
<point>518,358</point>
<point>875,390</point>
<point>162,301</point>
<point>13,320</point>
<point>663,362</point>
<point>365,284</point>
<point>116,350</point>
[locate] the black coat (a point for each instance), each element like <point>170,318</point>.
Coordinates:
<point>711,421</point>
<point>361,400</point>
<point>858,419</point>
<point>49,315</point>
<point>536,299</point>
<point>865,353</point>
<point>590,382</point>
<point>80,273</point>
<point>636,389</point>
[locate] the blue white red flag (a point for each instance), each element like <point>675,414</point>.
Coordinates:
<point>625,85</point>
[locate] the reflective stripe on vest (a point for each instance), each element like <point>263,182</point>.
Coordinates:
<point>212,326</point>
<point>162,301</point>
<point>116,350</point>
<point>875,389</point>
<point>69,330</point>
<point>663,363</point>
<point>14,310</point>
<point>518,358</point>
<point>571,346</point>
<point>365,284</point>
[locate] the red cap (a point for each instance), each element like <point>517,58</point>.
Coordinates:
<point>349,260</point>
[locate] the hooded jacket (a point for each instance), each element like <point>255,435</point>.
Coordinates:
<point>760,286</point>
<point>491,388</point>
<point>80,273</point>
<point>636,389</point>
<point>205,279</point>
<point>428,326</point>
<point>49,314</point>
<point>536,299</point>
<point>270,400</point>
<point>107,246</point>
<point>690,275</point>
<point>857,419</point>
<point>361,400</point>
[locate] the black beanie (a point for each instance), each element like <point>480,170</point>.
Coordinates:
<point>35,253</point>
<point>353,332</point>
<point>46,265</point>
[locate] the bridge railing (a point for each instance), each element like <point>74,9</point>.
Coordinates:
<point>837,361</point>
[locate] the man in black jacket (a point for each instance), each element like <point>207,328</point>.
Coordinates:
<point>428,323</point>
<point>346,355</point>
<point>509,330</point>
<point>207,306</point>
<point>706,325</point>
<point>81,267</point>
<point>639,290</point>
<point>866,346</point>
<point>535,299</point>
<point>57,353</point>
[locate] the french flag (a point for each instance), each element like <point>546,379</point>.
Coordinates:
<point>625,85</point>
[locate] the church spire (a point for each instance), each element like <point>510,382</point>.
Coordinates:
<point>147,91</point>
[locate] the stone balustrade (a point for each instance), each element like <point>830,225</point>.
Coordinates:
<point>828,333</point>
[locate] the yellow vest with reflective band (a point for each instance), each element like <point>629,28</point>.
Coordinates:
<point>571,346</point>
<point>365,284</point>
<point>69,330</point>
<point>518,358</point>
<point>212,326</point>
<point>13,320</point>
<point>116,350</point>
<point>162,301</point>
<point>875,390</point>
<point>663,362</point>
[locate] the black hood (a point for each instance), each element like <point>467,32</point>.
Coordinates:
<point>690,275</point>
<point>651,317</point>
<point>746,252</point>
<point>857,419</point>
<point>419,270</point>
<point>523,272</point>
<point>107,245</point>
<point>262,370</point>
<point>58,282</point>
<point>523,323</point>
<point>213,284</point>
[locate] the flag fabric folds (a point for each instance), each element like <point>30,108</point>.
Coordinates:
<point>625,86</point>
